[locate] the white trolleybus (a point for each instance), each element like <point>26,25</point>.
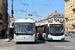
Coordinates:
<point>24,30</point>
<point>50,31</point>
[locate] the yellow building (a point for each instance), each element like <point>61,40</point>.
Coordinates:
<point>69,15</point>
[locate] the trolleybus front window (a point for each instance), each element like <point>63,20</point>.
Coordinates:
<point>24,28</point>
<point>56,29</point>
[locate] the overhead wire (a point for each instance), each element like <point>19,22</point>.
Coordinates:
<point>46,5</point>
<point>32,6</point>
<point>43,5</point>
<point>34,13</point>
<point>24,6</point>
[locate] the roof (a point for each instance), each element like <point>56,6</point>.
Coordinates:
<point>40,24</point>
<point>56,14</point>
<point>25,20</point>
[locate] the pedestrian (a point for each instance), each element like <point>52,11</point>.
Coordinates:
<point>10,34</point>
<point>3,33</point>
<point>6,33</point>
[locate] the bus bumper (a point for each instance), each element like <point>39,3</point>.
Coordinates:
<point>56,39</point>
<point>24,40</point>
<point>62,38</point>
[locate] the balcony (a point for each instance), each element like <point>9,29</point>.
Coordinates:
<point>73,9</point>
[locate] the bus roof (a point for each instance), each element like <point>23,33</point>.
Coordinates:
<point>40,24</point>
<point>24,20</point>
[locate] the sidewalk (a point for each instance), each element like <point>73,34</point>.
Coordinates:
<point>4,40</point>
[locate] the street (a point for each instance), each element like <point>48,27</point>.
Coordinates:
<point>68,44</point>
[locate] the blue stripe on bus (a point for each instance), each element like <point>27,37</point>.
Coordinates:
<point>62,38</point>
<point>50,38</point>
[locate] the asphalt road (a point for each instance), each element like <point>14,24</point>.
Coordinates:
<point>68,44</point>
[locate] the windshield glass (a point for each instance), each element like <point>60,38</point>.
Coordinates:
<point>25,28</point>
<point>56,29</point>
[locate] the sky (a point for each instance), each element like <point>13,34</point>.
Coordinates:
<point>38,8</point>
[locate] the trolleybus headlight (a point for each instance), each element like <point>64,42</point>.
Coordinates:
<point>49,37</point>
<point>34,35</point>
<point>63,37</point>
<point>14,35</point>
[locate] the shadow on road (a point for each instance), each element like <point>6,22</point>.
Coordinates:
<point>58,41</point>
<point>37,42</point>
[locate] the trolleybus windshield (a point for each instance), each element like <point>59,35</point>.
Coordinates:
<point>56,29</point>
<point>24,28</point>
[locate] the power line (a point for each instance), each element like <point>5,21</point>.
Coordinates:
<point>32,6</point>
<point>46,5</point>
<point>34,13</point>
<point>26,7</point>
<point>42,5</point>
<point>42,8</point>
<point>25,4</point>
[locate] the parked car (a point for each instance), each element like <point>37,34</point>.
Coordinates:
<point>73,34</point>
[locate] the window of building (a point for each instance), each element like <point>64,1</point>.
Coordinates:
<point>73,14</point>
<point>73,1</point>
<point>69,15</point>
<point>66,3</point>
<point>71,7</point>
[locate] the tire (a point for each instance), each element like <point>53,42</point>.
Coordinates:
<point>44,38</point>
<point>59,40</point>
<point>33,42</point>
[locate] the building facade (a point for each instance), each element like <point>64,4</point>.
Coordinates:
<point>52,18</point>
<point>3,14</point>
<point>69,15</point>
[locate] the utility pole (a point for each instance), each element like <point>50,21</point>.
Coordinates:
<point>12,9</point>
<point>11,32</point>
